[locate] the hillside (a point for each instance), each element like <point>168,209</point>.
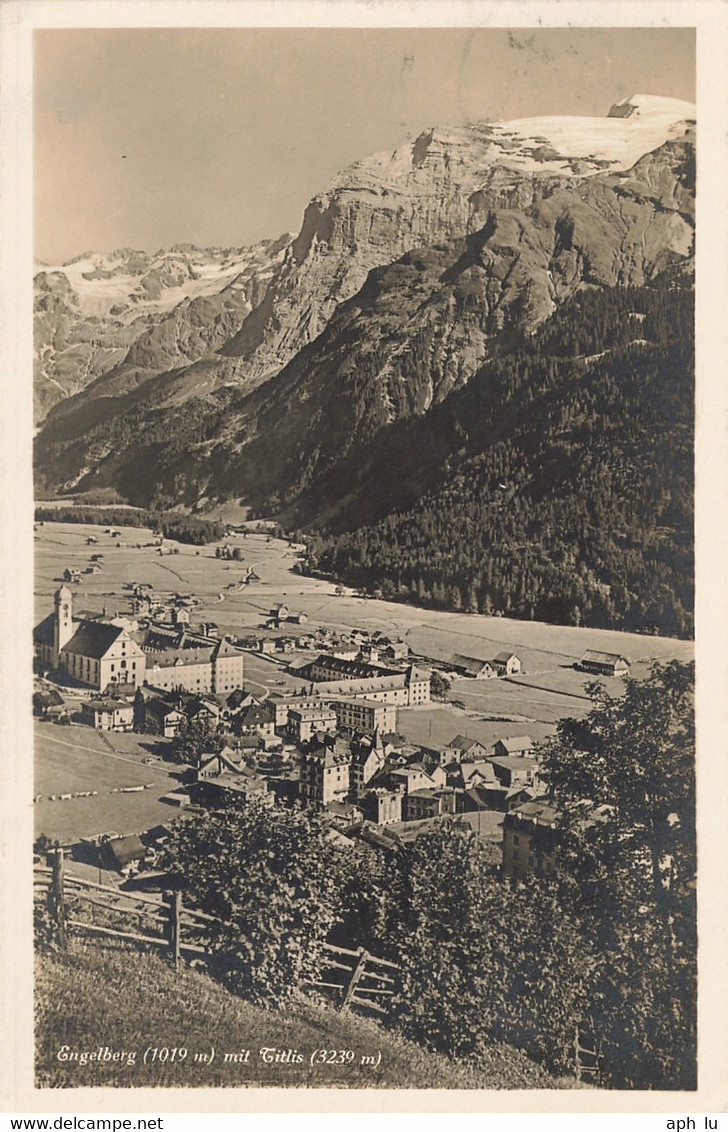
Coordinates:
<point>555,486</point>
<point>78,996</point>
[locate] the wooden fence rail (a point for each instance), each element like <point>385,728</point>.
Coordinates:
<point>358,968</point>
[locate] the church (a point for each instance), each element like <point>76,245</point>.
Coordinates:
<point>95,652</point>
<point>98,651</point>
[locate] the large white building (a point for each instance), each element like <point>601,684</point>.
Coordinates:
<point>98,651</point>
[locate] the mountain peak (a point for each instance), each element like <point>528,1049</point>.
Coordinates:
<point>651,105</point>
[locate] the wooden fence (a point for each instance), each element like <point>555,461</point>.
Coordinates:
<point>358,977</point>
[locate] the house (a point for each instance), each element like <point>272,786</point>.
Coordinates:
<point>108,714</point>
<point>368,756</point>
<point>47,703</point>
<point>279,612</point>
<point>267,646</point>
<point>604,663</point>
<point>71,574</point>
<point>299,618</point>
<point>473,667</point>
<point>415,777</point>
<point>382,806</point>
<point>464,749</point>
<point>507,663</point>
<point>428,803</point>
<point>233,786</point>
<point>515,770</point>
<point>396,650</point>
<point>157,714</point>
<point>477,774</point>
<point>517,745</point>
<point>123,854</point>
<point>530,840</point>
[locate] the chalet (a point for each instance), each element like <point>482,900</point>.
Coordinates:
<point>517,745</point>
<point>515,770</point>
<point>157,714</point>
<point>477,774</point>
<point>71,574</point>
<point>396,650</point>
<point>279,612</point>
<point>604,663</point>
<point>108,714</point>
<point>415,777</point>
<point>48,703</point>
<point>472,667</point>
<point>464,749</point>
<point>232,786</point>
<point>123,854</point>
<point>507,664</point>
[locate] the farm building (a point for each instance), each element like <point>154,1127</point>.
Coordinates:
<point>507,663</point>
<point>472,667</point>
<point>604,663</point>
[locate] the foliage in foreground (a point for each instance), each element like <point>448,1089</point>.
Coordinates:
<point>605,946</point>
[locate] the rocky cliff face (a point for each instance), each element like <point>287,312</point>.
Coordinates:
<point>128,314</point>
<point>388,300</point>
<point>444,184</point>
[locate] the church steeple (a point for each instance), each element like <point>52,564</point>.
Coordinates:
<point>63,626</point>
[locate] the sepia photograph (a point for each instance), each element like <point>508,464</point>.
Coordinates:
<point>363,558</point>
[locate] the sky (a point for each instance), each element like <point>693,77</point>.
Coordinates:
<point>148,137</point>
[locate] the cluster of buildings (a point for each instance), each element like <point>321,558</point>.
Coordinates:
<point>333,747</point>
<point>104,653</point>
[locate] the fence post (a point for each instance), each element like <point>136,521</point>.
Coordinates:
<point>174,899</point>
<point>58,903</point>
<point>355,977</point>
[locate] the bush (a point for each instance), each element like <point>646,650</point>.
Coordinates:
<point>267,875</point>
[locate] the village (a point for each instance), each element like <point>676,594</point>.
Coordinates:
<point>382,733</point>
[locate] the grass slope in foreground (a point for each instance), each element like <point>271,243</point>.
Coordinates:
<point>108,995</point>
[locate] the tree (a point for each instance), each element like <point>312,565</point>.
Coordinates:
<point>481,962</point>
<point>194,740</point>
<point>624,779</point>
<point>439,684</point>
<point>268,878</point>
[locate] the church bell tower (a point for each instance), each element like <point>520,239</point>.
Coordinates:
<point>63,627</point>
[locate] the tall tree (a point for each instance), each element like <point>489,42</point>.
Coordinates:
<point>624,779</point>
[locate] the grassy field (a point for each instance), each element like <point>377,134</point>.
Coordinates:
<point>104,995</point>
<point>241,609</point>
<point>74,759</point>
